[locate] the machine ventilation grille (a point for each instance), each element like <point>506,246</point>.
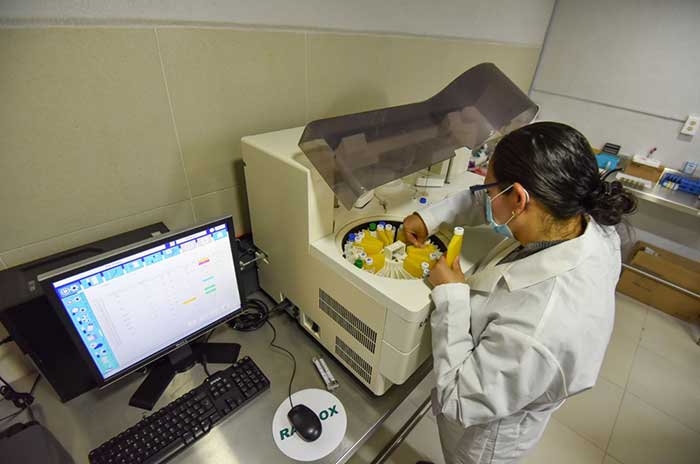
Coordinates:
<point>347,320</point>
<point>354,360</point>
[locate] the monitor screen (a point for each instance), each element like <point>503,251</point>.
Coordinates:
<point>131,308</point>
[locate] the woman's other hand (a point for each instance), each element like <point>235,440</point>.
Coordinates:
<point>415,230</point>
<point>444,274</point>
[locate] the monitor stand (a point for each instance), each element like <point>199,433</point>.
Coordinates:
<point>180,360</point>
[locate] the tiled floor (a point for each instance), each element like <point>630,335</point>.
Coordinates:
<point>645,408</point>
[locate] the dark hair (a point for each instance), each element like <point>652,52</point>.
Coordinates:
<point>555,164</point>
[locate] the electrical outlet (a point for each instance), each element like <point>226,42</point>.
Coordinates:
<point>691,125</point>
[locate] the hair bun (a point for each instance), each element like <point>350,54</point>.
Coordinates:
<point>609,202</point>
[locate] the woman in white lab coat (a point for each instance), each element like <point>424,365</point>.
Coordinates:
<point>530,327</point>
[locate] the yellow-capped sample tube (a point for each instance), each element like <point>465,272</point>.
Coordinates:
<point>420,252</point>
<point>390,233</point>
<point>378,261</point>
<point>381,234</point>
<point>455,247</point>
<point>371,245</point>
<point>412,264</point>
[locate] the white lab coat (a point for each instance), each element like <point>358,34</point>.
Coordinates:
<point>517,339</point>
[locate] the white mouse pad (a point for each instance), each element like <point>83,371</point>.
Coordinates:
<point>334,422</point>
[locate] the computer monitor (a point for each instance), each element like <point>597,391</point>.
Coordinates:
<point>129,308</point>
<point>33,323</point>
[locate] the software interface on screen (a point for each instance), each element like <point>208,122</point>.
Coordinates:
<point>134,307</point>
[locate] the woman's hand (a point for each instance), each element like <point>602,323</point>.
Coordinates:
<point>443,274</point>
<point>415,230</point>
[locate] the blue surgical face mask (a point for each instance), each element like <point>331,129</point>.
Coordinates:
<point>502,229</point>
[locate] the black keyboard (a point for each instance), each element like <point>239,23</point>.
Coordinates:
<point>163,434</point>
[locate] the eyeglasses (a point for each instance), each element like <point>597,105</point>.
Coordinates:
<point>476,188</point>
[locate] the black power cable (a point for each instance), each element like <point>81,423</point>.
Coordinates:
<point>204,355</point>
<point>294,360</point>
<point>255,315</point>
<point>606,174</point>
<point>22,400</point>
<point>11,416</point>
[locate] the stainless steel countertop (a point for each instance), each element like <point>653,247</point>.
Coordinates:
<point>680,201</point>
<point>674,199</point>
<point>245,437</point>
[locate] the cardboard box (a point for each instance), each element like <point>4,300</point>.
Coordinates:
<point>670,267</point>
<point>644,171</point>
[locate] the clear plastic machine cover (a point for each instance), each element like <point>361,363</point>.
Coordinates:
<point>358,152</point>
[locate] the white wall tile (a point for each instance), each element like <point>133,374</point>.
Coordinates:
<point>86,136</point>
<point>673,339</point>
<point>352,72</point>
<point>592,413</point>
<point>649,68</point>
<point>618,359</point>
<point>611,460</point>
<point>630,316</point>
<point>560,444</point>
<point>225,84</point>
<point>231,201</point>
<point>666,386</point>
<point>636,133</point>
<point>645,435</point>
<point>497,20</point>
<point>174,216</point>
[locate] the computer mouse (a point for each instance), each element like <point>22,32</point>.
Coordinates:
<point>306,422</point>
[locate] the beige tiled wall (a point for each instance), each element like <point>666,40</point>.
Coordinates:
<point>225,84</point>
<point>349,73</point>
<point>107,129</point>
